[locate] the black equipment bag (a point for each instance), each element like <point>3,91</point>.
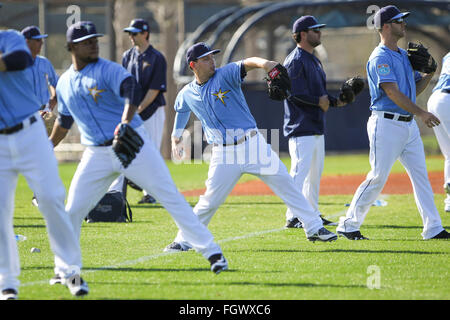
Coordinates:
<point>113,207</point>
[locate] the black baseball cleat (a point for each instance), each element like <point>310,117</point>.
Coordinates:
<point>9,294</point>
<point>55,280</point>
<point>293,223</point>
<point>218,263</point>
<point>328,222</point>
<point>147,199</point>
<point>323,235</point>
<point>77,286</point>
<point>442,235</point>
<point>355,235</point>
<point>34,201</point>
<point>176,247</point>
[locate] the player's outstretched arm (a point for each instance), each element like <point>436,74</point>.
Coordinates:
<point>394,93</point>
<point>259,63</point>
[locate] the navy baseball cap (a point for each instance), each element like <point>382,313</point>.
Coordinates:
<point>388,14</point>
<point>81,31</point>
<point>33,32</point>
<point>138,25</point>
<point>199,50</point>
<point>305,23</point>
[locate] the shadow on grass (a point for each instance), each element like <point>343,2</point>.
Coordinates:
<point>29,226</point>
<point>237,283</point>
<point>342,251</point>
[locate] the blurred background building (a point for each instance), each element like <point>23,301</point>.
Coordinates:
<point>241,28</point>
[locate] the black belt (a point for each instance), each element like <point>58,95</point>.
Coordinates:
<point>17,127</point>
<point>235,143</point>
<point>400,118</point>
<point>446,90</point>
<point>107,143</point>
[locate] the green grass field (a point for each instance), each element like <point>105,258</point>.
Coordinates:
<point>125,260</point>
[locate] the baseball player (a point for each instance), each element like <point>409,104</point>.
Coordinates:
<point>25,149</point>
<point>44,78</point>
<point>304,118</point>
<point>99,95</point>
<point>393,132</point>
<point>216,98</point>
<point>439,105</point>
<point>149,67</point>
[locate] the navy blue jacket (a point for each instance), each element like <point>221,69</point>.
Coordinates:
<point>150,70</point>
<point>308,81</point>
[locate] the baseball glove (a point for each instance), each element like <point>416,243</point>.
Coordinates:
<point>350,89</point>
<point>278,83</point>
<point>421,60</point>
<point>126,144</point>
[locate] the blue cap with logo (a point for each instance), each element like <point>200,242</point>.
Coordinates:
<point>199,50</point>
<point>33,32</point>
<point>388,14</point>
<point>81,31</point>
<point>138,25</point>
<point>305,23</point>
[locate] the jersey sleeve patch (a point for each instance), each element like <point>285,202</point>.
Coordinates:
<point>383,69</point>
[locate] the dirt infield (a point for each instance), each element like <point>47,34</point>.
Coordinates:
<point>398,183</point>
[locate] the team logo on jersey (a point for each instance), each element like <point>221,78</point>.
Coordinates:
<point>95,93</point>
<point>145,64</point>
<point>383,69</point>
<point>221,95</point>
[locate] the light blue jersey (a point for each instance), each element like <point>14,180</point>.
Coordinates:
<point>92,97</point>
<point>43,75</point>
<point>386,65</point>
<point>444,78</point>
<point>17,102</point>
<point>219,104</point>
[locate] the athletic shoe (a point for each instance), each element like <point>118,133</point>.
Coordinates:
<point>9,294</point>
<point>442,235</point>
<point>55,280</point>
<point>293,223</point>
<point>147,199</point>
<point>77,286</point>
<point>34,201</point>
<point>355,235</point>
<point>447,209</point>
<point>218,263</point>
<point>323,235</point>
<point>328,222</point>
<point>176,247</point>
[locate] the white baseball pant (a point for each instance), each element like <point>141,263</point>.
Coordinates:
<point>307,160</point>
<point>30,153</point>
<point>254,156</point>
<point>98,168</point>
<point>154,127</point>
<point>439,105</point>
<point>391,140</point>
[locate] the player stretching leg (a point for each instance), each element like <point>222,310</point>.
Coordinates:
<point>216,98</point>
<point>25,149</point>
<point>98,95</point>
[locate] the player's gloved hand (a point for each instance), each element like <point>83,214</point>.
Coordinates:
<point>126,144</point>
<point>177,149</point>
<point>278,83</point>
<point>421,60</point>
<point>350,89</point>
